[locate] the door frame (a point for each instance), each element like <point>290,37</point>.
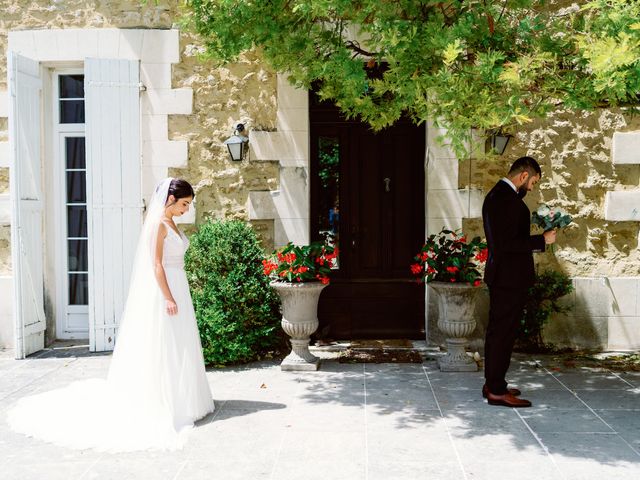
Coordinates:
<point>58,133</point>
<point>326,121</point>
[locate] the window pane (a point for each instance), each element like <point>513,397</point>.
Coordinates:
<point>329,199</point>
<point>76,221</point>
<point>77,255</point>
<point>78,289</point>
<point>71,86</point>
<point>71,111</point>
<point>76,187</point>
<point>75,152</point>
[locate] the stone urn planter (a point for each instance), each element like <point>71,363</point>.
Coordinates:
<point>456,304</point>
<point>299,321</point>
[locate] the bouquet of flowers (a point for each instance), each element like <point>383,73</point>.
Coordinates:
<point>447,257</point>
<point>306,263</point>
<point>550,218</point>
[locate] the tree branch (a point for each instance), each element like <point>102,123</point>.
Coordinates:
<point>351,45</point>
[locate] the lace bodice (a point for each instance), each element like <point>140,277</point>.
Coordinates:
<point>175,247</point>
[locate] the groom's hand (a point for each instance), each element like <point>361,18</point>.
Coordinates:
<point>550,237</point>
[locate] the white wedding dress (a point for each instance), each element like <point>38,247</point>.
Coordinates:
<point>156,387</point>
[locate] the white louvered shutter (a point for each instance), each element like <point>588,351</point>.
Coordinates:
<point>25,91</point>
<point>112,102</point>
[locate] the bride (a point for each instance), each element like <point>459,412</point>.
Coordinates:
<point>156,387</point>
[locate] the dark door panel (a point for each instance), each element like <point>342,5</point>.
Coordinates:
<point>367,196</point>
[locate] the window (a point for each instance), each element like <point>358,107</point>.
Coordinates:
<point>329,197</point>
<point>71,95</point>
<point>72,168</point>
<point>76,207</point>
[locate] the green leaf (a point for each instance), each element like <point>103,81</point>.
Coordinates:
<point>451,52</point>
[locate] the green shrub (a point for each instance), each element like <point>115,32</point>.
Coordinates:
<point>237,312</point>
<point>542,302</point>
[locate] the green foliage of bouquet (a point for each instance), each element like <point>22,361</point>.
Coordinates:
<point>236,310</point>
<point>301,263</point>
<point>550,218</point>
<point>447,257</point>
<point>542,302</point>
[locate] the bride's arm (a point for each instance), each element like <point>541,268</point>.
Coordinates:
<point>161,277</point>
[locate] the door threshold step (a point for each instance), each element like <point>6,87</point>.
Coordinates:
<point>373,345</point>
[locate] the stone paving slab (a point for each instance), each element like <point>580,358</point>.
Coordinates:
<point>356,422</point>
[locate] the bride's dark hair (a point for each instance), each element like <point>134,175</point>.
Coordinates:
<point>180,189</point>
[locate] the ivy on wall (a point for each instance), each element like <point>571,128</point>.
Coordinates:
<point>466,64</point>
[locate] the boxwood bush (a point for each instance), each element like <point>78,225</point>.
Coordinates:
<point>237,312</point>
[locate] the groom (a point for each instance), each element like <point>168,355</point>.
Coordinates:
<point>509,273</point>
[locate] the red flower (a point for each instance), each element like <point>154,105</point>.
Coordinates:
<point>477,283</point>
<point>416,268</point>
<point>482,255</point>
<point>431,269</point>
<point>324,280</point>
<point>330,256</point>
<point>268,266</point>
<point>452,269</point>
<point>290,257</point>
<point>462,239</point>
<point>424,256</point>
<point>452,280</point>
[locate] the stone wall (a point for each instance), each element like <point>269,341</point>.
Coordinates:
<point>270,189</point>
<point>574,151</point>
<point>222,96</point>
<point>579,169</point>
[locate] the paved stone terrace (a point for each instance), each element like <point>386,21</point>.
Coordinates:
<point>357,421</point>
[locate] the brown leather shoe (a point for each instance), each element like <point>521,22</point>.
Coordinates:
<point>507,400</point>
<point>513,391</point>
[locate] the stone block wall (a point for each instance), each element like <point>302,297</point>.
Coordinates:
<point>590,160</point>
<point>591,168</point>
<point>190,107</point>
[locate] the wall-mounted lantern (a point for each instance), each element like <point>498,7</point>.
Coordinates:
<point>498,140</point>
<point>237,144</point>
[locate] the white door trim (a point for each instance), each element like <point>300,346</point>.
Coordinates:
<point>59,133</point>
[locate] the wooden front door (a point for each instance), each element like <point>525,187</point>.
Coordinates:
<point>367,196</point>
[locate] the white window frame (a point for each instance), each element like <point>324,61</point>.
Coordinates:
<point>60,131</point>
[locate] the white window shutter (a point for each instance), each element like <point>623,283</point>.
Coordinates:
<point>25,88</point>
<point>112,102</point>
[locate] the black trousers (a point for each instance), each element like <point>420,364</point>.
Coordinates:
<point>505,312</point>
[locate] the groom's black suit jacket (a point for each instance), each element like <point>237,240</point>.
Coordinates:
<point>507,227</point>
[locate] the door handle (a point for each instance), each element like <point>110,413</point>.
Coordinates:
<point>387,184</point>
